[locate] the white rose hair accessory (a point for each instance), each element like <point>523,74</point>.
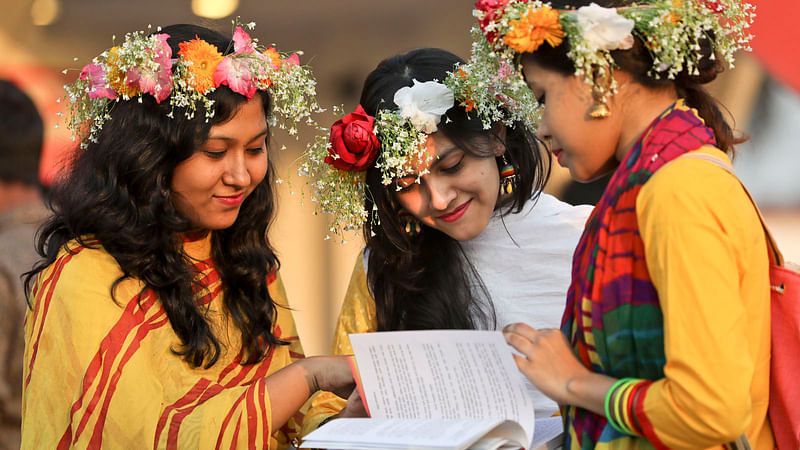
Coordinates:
<point>669,29</point>
<point>604,28</point>
<point>424,103</point>
<point>489,88</point>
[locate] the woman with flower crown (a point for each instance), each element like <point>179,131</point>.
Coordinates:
<point>445,179</point>
<point>157,317</point>
<point>665,340</point>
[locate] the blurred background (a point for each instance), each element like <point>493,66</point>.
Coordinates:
<point>343,41</point>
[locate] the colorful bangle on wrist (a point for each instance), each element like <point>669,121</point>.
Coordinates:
<point>618,405</point>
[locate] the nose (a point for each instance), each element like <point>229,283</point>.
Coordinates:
<point>441,193</point>
<point>236,173</point>
<point>544,131</point>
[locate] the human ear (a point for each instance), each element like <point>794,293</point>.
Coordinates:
<point>499,144</point>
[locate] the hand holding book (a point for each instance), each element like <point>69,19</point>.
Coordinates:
<point>462,384</point>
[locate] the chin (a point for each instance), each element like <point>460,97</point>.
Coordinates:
<point>586,178</point>
<point>465,233</point>
<point>220,225</point>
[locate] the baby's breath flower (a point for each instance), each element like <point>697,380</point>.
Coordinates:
<point>490,88</point>
<point>669,29</point>
<point>93,95</point>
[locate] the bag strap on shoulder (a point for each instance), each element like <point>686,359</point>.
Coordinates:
<point>775,256</point>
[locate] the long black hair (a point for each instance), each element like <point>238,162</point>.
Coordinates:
<point>638,62</point>
<point>117,191</point>
<point>426,281</point>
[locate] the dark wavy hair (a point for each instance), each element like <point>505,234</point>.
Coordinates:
<point>637,61</point>
<point>118,191</point>
<point>426,281</point>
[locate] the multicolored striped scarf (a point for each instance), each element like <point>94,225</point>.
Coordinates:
<point>613,318</point>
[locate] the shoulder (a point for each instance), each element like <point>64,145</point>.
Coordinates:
<point>82,276</point>
<point>87,260</point>
<point>548,205</point>
<point>547,211</point>
<point>687,187</point>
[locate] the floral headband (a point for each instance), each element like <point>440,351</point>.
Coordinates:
<point>670,30</point>
<point>144,65</point>
<point>395,140</point>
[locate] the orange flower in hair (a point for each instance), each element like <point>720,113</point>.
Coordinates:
<point>534,28</point>
<point>117,78</point>
<point>204,58</point>
<point>274,57</point>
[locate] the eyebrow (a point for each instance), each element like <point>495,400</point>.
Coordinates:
<point>263,133</point>
<point>443,155</point>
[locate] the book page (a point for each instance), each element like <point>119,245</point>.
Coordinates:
<point>352,433</point>
<point>442,374</point>
<point>549,433</point>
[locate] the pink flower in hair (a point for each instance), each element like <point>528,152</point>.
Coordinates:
<point>235,73</point>
<point>293,60</point>
<point>242,42</point>
<point>156,81</point>
<point>96,76</point>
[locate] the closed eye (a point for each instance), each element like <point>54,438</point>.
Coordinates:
<point>455,167</point>
<point>406,184</point>
<point>213,154</point>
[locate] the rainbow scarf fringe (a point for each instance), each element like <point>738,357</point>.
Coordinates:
<point>613,317</point>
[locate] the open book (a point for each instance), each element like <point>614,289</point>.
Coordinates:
<point>439,389</point>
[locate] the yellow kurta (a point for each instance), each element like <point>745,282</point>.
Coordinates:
<point>707,258</point>
<point>357,316</point>
<point>102,375</point>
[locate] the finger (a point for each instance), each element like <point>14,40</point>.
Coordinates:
<point>523,364</point>
<point>522,329</point>
<point>520,343</point>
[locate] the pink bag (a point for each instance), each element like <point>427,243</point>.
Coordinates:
<point>784,388</point>
<point>784,379</point>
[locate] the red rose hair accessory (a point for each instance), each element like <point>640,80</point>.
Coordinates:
<point>394,141</point>
<point>353,143</point>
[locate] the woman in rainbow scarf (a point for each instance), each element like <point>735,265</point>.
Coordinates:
<point>665,340</point>
<point>157,318</point>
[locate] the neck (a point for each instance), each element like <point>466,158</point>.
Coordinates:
<point>15,193</point>
<point>641,105</point>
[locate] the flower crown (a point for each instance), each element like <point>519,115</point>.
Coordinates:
<point>670,30</point>
<point>396,138</point>
<point>144,65</point>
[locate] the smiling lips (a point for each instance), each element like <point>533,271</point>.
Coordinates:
<point>456,214</point>
<point>557,154</point>
<point>232,200</point>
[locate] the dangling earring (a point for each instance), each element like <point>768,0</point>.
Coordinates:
<point>600,86</point>
<point>508,177</point>
<point>410,224</point>
<point>599,109</point>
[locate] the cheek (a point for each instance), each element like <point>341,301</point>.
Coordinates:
<point>486,178</point>
<point>193,178</point>
<point>411,201</point>
<point>258,169</point>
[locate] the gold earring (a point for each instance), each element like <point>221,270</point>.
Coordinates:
<point>599,109</point>
<point>410,224</point>
<point>600,86</point>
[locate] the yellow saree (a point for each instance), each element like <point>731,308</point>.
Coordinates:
<point>102,375</point>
